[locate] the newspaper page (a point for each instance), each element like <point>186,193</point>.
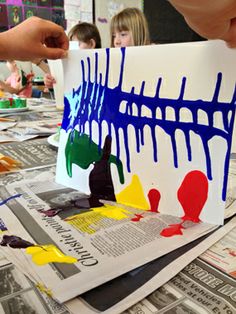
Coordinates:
<point>19,295</point>
<point>96,240</point>
<point>32,154</point>
<point>222,255</point>
<point>198,289</point>
<point>46,173</point>
<point>207,285</point>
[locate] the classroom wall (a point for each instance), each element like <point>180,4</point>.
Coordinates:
<point>167,25</point>
<point>12,12</point>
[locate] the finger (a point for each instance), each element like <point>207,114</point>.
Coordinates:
<point>54,53</point>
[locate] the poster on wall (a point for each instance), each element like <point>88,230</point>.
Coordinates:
<point>13,12</point>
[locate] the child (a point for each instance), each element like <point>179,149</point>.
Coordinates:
<point>88,37</point>
<point>86,34</point>
<point>17,83</point>
<point>129,28</point>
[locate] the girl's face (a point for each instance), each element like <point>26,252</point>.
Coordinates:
<point>122,39</point>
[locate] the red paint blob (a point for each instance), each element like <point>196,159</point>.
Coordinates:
<point>137,218</point>
<point>192,194</point>
<point>172,230</point>
<point>154,197</point>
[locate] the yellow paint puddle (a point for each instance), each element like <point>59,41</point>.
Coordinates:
<point>45,254</point>
<point>111,211</point>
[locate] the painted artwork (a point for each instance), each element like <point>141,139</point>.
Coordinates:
<point>13,12</point>
<point>150,127</point>
<point>30,11</point>
<point>14,15</point>
<point>3,15</point>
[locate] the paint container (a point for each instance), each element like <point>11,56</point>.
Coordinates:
<point>4,103</point>
<point>19,103</point>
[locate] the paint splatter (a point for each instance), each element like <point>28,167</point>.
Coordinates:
<point>100,180</point>
<point>51,212</point>
<point>10,198</point>
<point>132,195</point>
<point>15,242</point>
<point>2,226</point>
<point>44,289</point>
<point>174,229</point>
<point>154,197</point>
<point>137,217</point>
<point>42,255</point>
<point>89,153</point>
<point>113,212</point>
<point>192,195</point>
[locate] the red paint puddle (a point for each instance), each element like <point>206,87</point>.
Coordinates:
<point>172,230</point>
<point>192,196</point>
<point>137,218</point>
<point>154,197</point>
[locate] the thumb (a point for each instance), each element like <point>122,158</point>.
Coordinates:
<point>54,53</point>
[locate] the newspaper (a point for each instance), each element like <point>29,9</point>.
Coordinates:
<point>139,283</point>
<point>29,125</point>
<point>46,173</point>
<point>95,240</point>
<point>199,288</point>
<point>223,254</point>
<point>19,295</point>
<point>32,154</point>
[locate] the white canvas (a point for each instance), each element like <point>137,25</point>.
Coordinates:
<point>169,111</point>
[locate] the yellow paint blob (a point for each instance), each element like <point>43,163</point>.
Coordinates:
<point>45,254</point>
<point>91,221</point>
<point>133,195</point>
<point>113,212</point>
<point>44,289</point>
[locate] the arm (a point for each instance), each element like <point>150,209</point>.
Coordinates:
<point>7,88</point>
<point>213,19</point>
<point>49,80</point>
<point>42,65</point>
<point>34,38</point>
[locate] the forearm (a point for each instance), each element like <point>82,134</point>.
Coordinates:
<point>6,47</point>
<point>8,88</point>
<point>210,18</point>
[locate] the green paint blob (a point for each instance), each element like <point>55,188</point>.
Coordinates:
<point>83,152</point>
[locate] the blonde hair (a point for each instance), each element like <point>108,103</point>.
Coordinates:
<point>133,20</point>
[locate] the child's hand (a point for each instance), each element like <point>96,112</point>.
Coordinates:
<point>49,80</point>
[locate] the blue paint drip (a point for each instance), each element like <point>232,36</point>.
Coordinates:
<point>10,198</point>
<point>98,102</point>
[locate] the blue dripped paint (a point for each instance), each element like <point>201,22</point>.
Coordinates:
<point>10,198</point>
<point>94,101</point>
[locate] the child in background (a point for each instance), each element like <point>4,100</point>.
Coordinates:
<point>17,83</point>
<point>88,37</point>
<point>86,34</point>
<point>129,28</point>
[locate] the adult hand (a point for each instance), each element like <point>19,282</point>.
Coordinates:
<point>212,19</point>
<point>34,38</point>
